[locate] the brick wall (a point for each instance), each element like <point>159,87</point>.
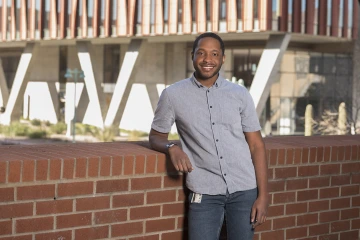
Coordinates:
<point>126,191</point>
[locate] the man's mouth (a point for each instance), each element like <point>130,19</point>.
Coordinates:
<point>207,68</point>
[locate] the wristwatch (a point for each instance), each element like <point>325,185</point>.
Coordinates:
<point>169,145</point>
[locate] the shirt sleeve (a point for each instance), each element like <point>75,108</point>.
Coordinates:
<point>250,120</point>
<point>164,116</point>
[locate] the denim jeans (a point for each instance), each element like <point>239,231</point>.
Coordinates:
<point>206,218</point>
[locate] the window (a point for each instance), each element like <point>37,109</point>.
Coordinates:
<point>90,15</point>
<point>222,10</point>
<point>46,20</point>
<point>166,10</point>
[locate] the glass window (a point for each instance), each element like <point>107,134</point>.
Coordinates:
<point>166,10</point>
<point>341,14</point>
<point>68,17</point>
<point>152,12</point>
<point>222,10</point>
<point>46,20</point>
<point>180,11</point>
<point>102,14</point>
<point>239,9</point>
<point>256,9</point>
<point>79,14</point>
<point>193,10</point>
<point>329,4</point>
<point>17,16</point>
<point>208,10</point>
<point>350,13</point>
<point>113,16</point>
<point>90,15</point>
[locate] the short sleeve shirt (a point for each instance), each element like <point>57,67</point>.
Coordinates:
<point>211,123</point>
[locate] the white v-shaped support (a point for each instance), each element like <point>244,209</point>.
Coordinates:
<point>19,85</point>
<point>268,69</point>
<point>93,115</point>
<point>124,81</point>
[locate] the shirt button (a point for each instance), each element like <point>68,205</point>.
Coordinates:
<point>208,90</point>
<point>210,106</point>
<point>220,157</point>
<point>224,174</point>
<point>217,140</point>
<point>213,123</point>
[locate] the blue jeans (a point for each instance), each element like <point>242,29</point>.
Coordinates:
<point>206,218</point>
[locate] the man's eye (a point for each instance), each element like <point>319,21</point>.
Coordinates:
<point>215,54</point>
<point>200,53</point>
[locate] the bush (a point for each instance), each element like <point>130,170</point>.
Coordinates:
<point>37,134</point>
<point>36,122</point>
<point>58,128</point>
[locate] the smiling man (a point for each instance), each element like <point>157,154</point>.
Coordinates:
<point>222,152</point>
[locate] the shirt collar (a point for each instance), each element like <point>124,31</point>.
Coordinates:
<point>217,83</point>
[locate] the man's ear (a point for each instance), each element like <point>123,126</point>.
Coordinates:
<point>223,60</point>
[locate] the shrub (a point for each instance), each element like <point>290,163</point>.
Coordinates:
<point>36,122</point>
<point>58,128</point>
<point>37,134</point>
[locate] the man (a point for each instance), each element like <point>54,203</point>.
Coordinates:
<point>222,150</point>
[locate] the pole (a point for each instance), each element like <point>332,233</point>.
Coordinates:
<point>74,119</point>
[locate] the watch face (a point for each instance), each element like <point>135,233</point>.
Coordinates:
<point>170,145</point>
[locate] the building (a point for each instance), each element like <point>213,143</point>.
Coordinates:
<point>288,53</point>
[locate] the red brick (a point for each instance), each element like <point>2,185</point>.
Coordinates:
<point>350,168</point>
<point>349,235</point>
<point>307,195</point>
<point>42,169</point>
<point>80,167</point>
<point>126,229</point>
<point>287,172</point>
<point>150,164</point>
<point>349,213</point>
<point>330,169</point>
<point>161,164</point>
<point>329,216</point>
<point>295,233</point>
<point>266,226</point>
<point>54,207</point>
<point>28,173</point>
<point>55,169</point>
<point>92,233</point>
<point>349,190</point>
<point>16,210</point>
<point>118,185</point>
<point>173,235</point>
<point>174,181</point>
<point>281,157</point>
<point>320,154</point>
<point>332,192</point>
<point>307,219</point>
<point>296,208</point>
<point>355,224</point>
<point>319,205</point>
<point>73,220</point>
<point>340,203</point>
<point>278,235</point>
<point>285,222</point>
<point>160,225</point>
<point>274,211</point>
<point>289,156</point>
<point>14,171</point>
<point>117,165</point>
<point>69,168</point>
<point>334,154</point>
<point>75,189</point>
<point>144,212</point>
<point>127,200</point>
<point>161,196</point>
<point>341,153</point>
<point>139,164</point>
<point>276,186</point>
<point>173,209</point>
<point>145,183</point>
<point>340,180</point>
<point>308,171</point>
<point>327,155</point>
<point>36,192</point>
<point>23,237</point>
<point>340,226</point>
<point>329,237</point>
<point>111,216</point>
<point>54,235</point>
<point>271,173</point>
<point>182,195</point>
<point>296,184</point>
<point>305,155</point>
<point>355,178</point>
<point>319,229</point>
<point>3,170</point>
<point>151,237</point>
<point>129,165</point>
<point>319,182</point>
<point>348,153</point>
<point>6,194</point>
<point>5,227</point>
<point>355,201</point>
<point>92,203</point>
<point>297,156</point>
<point>312,157</point>
<point>105,164</point>
<point>93,166</point>
<point>354,152</point>
<point>273,157</point>
<point>34,224</point>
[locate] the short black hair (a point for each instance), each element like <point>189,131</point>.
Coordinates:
<point>212,35</point>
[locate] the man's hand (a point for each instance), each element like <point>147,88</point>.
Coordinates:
<point>180,160</point>
<point>259,211</point>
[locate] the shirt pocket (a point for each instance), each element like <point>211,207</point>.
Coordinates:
<point>230,115</point>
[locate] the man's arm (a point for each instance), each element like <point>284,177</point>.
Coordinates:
<point>257,149</point>
<point>179,159</point>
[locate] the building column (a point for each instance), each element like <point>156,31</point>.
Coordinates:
<point>4,90</point>
<point>124,82</point>
<point>356,82</point>
<point>93,115</point>
<point>268,69</point>
<point>13,106</point>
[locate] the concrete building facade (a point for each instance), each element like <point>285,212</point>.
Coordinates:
<point>288,53</point>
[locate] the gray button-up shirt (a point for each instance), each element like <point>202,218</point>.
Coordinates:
<point>211,123</point>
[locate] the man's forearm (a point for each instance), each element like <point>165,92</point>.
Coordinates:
<point>261,170</point>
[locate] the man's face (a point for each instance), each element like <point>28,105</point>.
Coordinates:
<point>207,59</point>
